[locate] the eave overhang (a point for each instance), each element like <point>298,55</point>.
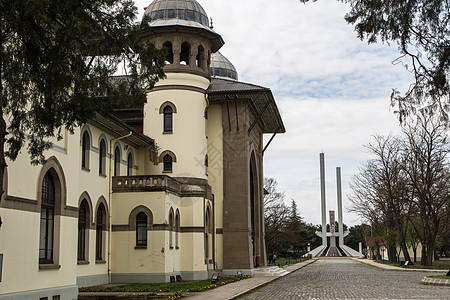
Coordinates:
<point>261,99</point>
<point>118,128</point>
<point>188,27</point>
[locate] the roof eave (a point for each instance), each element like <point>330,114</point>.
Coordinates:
<point>119,129</point>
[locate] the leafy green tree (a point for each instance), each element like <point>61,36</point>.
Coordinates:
<point>295,232</point>
<point>358,233</point>
<point>421,29</point>
<point>311,237</point>
<point>56,63</point>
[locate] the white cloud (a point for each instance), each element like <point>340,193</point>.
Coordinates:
<point>332,89</point>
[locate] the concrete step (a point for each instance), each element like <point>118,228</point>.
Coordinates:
<point>271,271</point>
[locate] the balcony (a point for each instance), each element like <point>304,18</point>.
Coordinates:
<point>125,184</point>
<point>183,187</point>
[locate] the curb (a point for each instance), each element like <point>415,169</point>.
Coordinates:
<point>436,281</point>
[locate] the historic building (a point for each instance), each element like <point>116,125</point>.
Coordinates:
<point>171,191</point>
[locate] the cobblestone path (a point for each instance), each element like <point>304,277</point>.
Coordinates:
<point>347,279</point>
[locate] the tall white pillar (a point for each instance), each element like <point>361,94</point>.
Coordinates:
<point>339,200</point>
<point>323,200</point>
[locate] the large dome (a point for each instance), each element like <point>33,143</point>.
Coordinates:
<point>188,10</point>
<point>222,67</point>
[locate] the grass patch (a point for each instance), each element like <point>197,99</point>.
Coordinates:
<point>437,265</point>
<point>178,287</point>
<point>282,261</point>
<point>439,277</point>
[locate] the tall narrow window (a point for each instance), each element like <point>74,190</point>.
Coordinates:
<point>177,229</point>
<point>141,230</point>
<point>82,228</point>
<point>117,161</point>
<point>168,119</point>
<point>47,220</point>
<point>207,231</point>
<point>85,148</point>
<point>167,163</point>
<point>171,228</point>
<point>169,57</point>
<point>130,164</point>
<point>102,158</point>
<point>100,227</point>
<point>185,53</point>
<point>201,57</point>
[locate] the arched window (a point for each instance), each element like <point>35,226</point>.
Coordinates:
<point>185,53</point>
<point>82,229</point>
<point>167,163</point>
<point>169,57</point>
<point>102,157</point>
<point>47,220</point>
<point>171,228</point>
<point>201,57</point>
<point>99,232</point>
<point>208,220</point>
<point>177,229</point>
<point>141,230</point>
<point>168,119</point>
<point>117,161</point>
<point>130,164</point>
<point>208,60</point>
<point>85,149</point>
<point>208,232</point>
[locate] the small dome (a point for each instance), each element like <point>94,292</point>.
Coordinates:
<point>222,67</point>
<point>188,10</point>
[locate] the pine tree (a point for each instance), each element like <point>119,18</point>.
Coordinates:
<point>56,63</point>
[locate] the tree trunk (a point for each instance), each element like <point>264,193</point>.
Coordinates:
<point>392,253</point>
<point>405,250</point>
<point>377,251</point>
<point>424,255</point>
<point>401,236</point>
<point>415,254</point>
<point>430,253</point>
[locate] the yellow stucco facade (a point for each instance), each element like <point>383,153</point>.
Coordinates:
<point>176,197</point>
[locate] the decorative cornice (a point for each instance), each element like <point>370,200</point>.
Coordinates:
<point>172,87</point>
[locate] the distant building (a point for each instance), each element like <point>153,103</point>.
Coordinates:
<point>171,191</point>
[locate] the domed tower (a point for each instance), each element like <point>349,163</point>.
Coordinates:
<point>221,67</point>
<point>176,107</point>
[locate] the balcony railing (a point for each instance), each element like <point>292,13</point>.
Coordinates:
<point>184,187</point>
<point>123,184</point>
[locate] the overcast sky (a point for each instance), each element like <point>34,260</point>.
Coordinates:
<point>332,90</point>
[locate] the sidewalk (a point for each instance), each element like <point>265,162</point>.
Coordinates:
<point>238,288</point>
<point>389,267</point>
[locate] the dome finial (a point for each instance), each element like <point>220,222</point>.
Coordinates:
<point>211,25</point>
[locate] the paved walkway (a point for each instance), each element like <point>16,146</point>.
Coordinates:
<point>330,278</point>
<point>345,278</point>
<point>238,288</point>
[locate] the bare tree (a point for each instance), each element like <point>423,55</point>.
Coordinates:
<point>276,214</point>
<point>425,161</point>
<point>380,193</point>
